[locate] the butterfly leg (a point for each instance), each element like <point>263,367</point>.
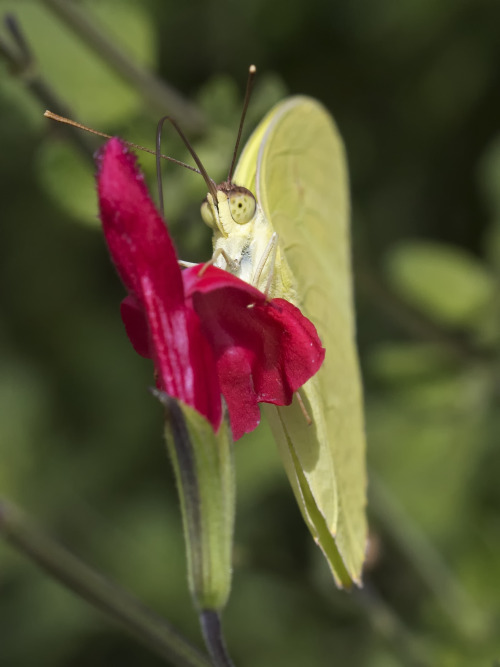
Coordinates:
<point>303,408</point>
<point>231,264</point>
<point>269,254</point>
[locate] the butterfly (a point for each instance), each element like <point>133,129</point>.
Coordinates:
<point>282,223</point>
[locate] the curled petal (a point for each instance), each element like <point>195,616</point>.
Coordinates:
<point>265,350</point>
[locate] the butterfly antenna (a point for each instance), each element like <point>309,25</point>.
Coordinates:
<point>251,77</point>
<point>159,180</point>
<point>73,123</point>
<point>212,188</point>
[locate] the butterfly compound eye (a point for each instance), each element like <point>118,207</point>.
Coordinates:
<point>207,215</point>
<point>242,206</point>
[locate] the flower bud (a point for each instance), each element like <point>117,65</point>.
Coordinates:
<point>204,469</point>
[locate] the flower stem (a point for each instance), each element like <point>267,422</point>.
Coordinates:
<point>148,627</point>
<point>214,639</point>
<point>156,93</point>
<point>203,464</point>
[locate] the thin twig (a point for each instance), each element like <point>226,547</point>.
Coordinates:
<point>157,94</point>
<point>23,66</point>
<point>146,625</point>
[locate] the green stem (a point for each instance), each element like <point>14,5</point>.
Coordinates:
<point>214,639</point>
<point>146,625</point>
<point>156,93</point>
<point>203,463</point>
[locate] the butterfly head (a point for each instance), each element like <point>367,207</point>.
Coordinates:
<point>235,206</point>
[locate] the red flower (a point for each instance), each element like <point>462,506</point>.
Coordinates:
<point>207,331</point>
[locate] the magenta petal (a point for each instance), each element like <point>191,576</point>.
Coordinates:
<point>136,235</point>
<point>270,342</point>
<point>300,351</point>
<point>146,261</point>
<point>183,357</point>
<point>204,278</point>
<point>136,325</point>
<point>235,377</point>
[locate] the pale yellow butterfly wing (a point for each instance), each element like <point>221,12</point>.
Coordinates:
<point>295,164</point>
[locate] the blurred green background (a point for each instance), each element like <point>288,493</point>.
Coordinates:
<point>415,89</point>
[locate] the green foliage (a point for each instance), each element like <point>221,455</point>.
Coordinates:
<point>446,283</point>
<point>414,89</point>
<point>75,72</point>
<point>65,177</point>
<point>203,462</point>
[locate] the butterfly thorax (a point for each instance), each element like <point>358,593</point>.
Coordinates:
<point>244,241</point>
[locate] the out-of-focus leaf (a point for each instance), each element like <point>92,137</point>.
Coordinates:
<point>68,179</point>
<point>79,76</point>
<point>24,407</point>
<point>155,566</point>
<point>257,463</point>
<point>220,100</point>
<point>15,96</point>
<point>425,439</point>
<point>403,362</point>
<point>447,283</point>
